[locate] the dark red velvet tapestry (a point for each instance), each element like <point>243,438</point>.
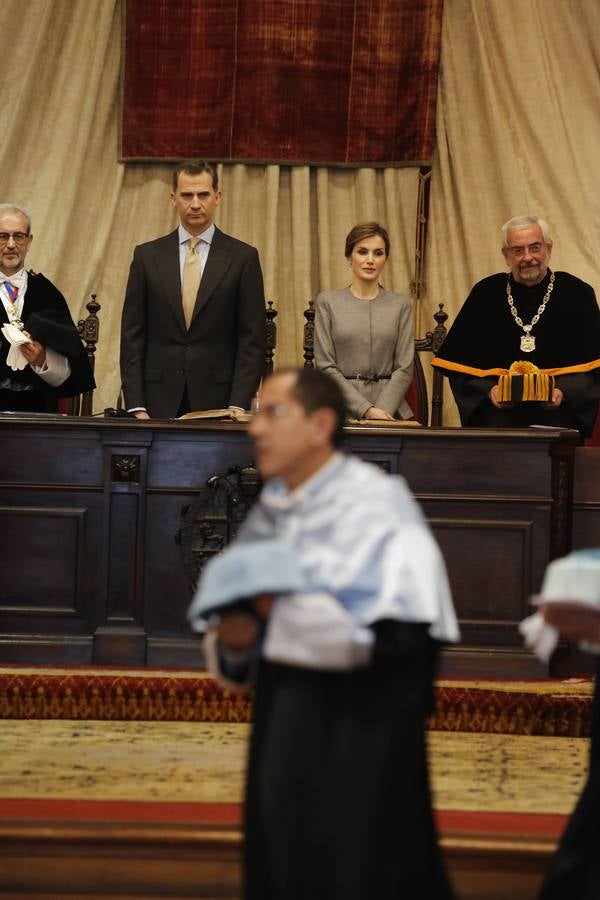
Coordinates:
<point>341,82</point>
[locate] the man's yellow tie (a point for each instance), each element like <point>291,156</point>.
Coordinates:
<point>191,281</point>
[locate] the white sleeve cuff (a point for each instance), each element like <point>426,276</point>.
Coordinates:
<point>314,631</point>
<point>55,370</point>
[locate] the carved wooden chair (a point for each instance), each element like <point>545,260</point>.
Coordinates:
<point>271,331</point>
<point>416,396</point>
<point>89,331</point>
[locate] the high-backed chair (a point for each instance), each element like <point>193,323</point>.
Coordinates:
<point>431,343</point>
<point>271,333</point>
<point>416,395</point>
<point>89,331</point>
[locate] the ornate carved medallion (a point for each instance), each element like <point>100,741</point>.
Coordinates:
<point>213,519</point>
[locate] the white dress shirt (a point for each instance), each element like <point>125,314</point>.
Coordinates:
<point>202,247</point>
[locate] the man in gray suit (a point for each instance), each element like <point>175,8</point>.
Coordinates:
<point>193,326</point>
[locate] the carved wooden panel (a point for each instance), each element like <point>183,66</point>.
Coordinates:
<point>41,560</point>
<point>213,519</point>
<point>112,586</point>
<point>586,503</point>
<point>125,468</point>
<point>489,564</point>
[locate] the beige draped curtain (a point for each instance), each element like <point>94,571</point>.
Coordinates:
<point>518,131</point>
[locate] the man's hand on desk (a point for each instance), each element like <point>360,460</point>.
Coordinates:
<point>141,414</point>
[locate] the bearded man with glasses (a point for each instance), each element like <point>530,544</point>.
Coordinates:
<point>532,321</point>
<point>51,362</point>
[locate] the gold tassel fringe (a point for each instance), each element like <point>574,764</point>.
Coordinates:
<point>536,384</point>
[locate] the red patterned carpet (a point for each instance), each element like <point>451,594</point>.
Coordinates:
<point>99,717</point>
<point>551,708</point>
<point>148,766</point>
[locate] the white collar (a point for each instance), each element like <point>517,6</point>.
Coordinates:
<point>276,493</point>
<point>17,279</point>
<point>206,236</point>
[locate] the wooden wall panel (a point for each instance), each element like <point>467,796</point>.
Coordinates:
<point>97,505</point>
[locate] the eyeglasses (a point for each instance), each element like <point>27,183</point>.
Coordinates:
<point>19,237</point>
<point>521,251</point>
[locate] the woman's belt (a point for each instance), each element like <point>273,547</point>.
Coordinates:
<point>368,379</point>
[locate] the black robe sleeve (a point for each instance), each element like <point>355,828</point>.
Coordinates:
<point>49,322</point>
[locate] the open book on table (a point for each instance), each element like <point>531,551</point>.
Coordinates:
<point>218,415</point>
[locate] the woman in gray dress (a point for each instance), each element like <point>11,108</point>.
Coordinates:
<point>364,334</point>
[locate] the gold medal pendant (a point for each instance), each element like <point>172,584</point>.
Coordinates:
<point>527,343</point>
<point>527,339</point>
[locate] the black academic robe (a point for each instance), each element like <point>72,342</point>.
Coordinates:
<point>338,805</point>
<point>47,318</point>
<point>485,340</point>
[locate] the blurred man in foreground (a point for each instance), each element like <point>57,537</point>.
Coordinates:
<point>574,872</point>
<point>338,804</point>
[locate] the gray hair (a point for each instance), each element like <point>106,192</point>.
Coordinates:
<point>12,207</point>
<point>519,223</point>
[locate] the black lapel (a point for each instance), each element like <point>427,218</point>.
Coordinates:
<point>166,255</point>
<point>3,315</point>
<point>35,295</point>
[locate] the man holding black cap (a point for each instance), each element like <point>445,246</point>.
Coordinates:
<point>51,362</point>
